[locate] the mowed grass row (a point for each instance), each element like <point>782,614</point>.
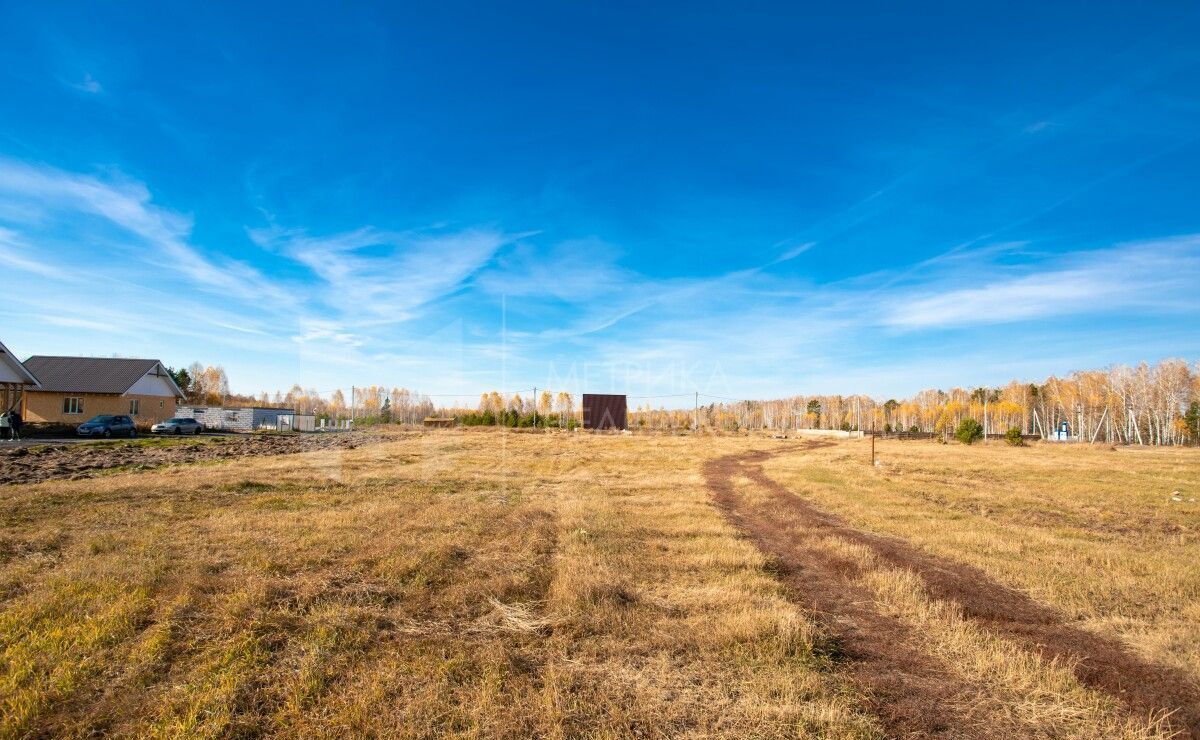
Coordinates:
<point>463,584</point>
<point>1092,531</point>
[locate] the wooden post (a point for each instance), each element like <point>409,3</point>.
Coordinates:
<point>872,448</point>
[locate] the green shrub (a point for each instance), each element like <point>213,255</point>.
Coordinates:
<point>1014,438</point>
<point>968,431</point>
<point>511,418</point>
<point>914,429</point>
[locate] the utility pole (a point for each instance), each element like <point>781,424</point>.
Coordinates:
<point>696,413</point>
<point>535,405</point>
<point>351,405</point>
<point>985,419</point>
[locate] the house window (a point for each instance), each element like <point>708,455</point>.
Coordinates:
<point>135,406</point>
<point>72,405</point>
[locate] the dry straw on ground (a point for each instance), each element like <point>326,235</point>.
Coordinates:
<point>465,584</point>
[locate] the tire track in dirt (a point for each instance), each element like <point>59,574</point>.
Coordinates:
<point>1098,662</point>
<point>912,693</point>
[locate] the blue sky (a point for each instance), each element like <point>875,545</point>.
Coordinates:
<point>748,199</point>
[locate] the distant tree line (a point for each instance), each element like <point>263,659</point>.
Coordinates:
<point>1147,404</point>
<point>1152,405</point>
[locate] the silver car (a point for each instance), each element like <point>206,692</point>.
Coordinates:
<point>177,426</point>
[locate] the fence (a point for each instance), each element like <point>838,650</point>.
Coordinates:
<point>296,423</point>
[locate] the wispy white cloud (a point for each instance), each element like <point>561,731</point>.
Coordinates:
<point>1035,296</point>
<point>793,252</point>
<point>77,322</point>
<point>88,84</point>
<point>1039,126</point>
<point>361,284</point>
<point>1144,276</point>
<point>16,253</point>
<point>127,205</point>
<point>372,277</point>
<point>573,271</point>
<point>150,317</point>
<point>578,288</point>
<point>758,331</point>
<point>327,333</point>
<point>360,303</point>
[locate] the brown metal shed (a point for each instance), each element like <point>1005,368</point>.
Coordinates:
<point>603,411</point>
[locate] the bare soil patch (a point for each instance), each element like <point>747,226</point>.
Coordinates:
<point>77,461</point>
<point>1098,662</point>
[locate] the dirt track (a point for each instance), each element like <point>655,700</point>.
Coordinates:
<point>909,688</point>
<point>75,461</point>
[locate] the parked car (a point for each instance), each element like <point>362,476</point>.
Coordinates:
<point>107,425</point>
<point>177,426</point>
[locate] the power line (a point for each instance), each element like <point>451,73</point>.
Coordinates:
<point>359,388</point>
<point>724,398</point>
<point>474,395</point>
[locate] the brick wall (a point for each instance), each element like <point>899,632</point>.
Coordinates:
<point>40,406</point>
<point>245,419</point>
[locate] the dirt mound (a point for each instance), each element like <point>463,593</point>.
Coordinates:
<point>75,461</point>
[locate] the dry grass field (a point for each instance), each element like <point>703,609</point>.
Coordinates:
<point>480,584</point>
